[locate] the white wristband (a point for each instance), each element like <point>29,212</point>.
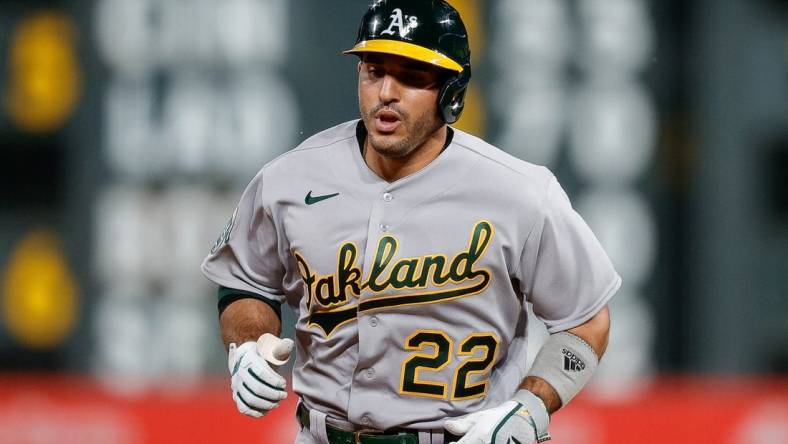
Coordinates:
<point>566,362</point>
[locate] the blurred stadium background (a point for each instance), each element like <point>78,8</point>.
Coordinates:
<point>128,129</point>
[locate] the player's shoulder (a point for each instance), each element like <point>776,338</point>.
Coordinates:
<point>313,148</point>
<point>504,167</point>
<point>328,137</point>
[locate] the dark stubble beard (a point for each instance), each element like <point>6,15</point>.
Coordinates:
<point>417,132</point>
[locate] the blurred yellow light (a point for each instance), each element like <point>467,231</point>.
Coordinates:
<point>474,115</point>
<point>470,11</point>
<point>44,82</point>
<point>40,295</point>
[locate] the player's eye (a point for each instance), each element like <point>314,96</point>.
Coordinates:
<point>418,79</point>
<point>375,71</point>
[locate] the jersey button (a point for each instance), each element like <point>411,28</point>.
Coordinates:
<point>365,420</point>
<point>373,321</point>
<point>370,372</point>
<point>388,197</point>
<point>384,228</point>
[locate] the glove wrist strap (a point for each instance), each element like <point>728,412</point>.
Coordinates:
<point>537,412</point>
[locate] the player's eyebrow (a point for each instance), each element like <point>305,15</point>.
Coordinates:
<point>418,66</point>
<point>372,58</point>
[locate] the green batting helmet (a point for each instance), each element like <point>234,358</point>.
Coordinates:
<point>429,31</point>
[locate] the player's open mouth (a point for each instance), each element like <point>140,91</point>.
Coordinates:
<point>386,121</point>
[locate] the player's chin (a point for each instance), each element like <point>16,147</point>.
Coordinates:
<point>389,146</point>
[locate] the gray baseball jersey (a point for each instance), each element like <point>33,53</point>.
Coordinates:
<point>410,295</point>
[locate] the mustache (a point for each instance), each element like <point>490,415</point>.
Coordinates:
<point>392,107</point>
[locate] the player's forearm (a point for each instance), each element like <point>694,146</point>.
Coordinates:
<point>594,332</point>
<point>246,320</point>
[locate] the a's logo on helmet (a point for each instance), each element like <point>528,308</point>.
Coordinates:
<point>398,21</point>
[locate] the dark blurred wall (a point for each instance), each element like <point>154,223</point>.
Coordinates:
<point>739,241</point>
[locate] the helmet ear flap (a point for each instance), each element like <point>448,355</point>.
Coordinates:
<point>451,98</point>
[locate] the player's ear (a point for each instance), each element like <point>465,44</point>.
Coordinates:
<point>358,67</point>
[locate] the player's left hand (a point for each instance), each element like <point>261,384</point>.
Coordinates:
<point>508,423</point>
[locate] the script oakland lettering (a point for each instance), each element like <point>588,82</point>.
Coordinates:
<point>329,294</point>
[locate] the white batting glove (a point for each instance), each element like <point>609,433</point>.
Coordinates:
<point>509,423</point>
<point>257,388</point>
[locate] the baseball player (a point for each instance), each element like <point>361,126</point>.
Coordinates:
<point>408,250</point>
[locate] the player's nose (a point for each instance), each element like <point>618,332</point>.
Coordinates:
<point>389,90</point>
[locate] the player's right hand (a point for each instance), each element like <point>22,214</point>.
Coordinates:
<point>257,388</point>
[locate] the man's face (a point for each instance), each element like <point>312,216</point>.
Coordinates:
<point>398,102</point>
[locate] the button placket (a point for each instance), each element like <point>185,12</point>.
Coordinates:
<point>382,212</point>
<point>387,197</point>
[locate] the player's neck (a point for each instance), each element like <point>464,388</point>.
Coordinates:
<point>392,169</point>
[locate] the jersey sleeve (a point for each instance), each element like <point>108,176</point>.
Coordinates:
<point>245,257</point>
<point>564,271</point>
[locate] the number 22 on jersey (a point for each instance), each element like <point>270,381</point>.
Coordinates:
<point>442,349</point>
